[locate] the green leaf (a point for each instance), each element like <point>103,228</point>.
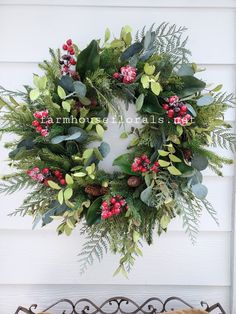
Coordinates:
<point>163,153</point>
<point>123,162</point>
<point>61,93</point>
<point>68,193</point>
<point>79,174</point>
<point>217,88</point>
<point>88,59</point>
<point>149,69</point>
<point>186,70</point>
<point>54,185</point>
<point>94,212</point>
<point>205,100</point>
<point>145,81</point>
<point>124,135</point>
<point>174,158</point>
<point>69,179</point>
<point>107,35</point>
<point>66,82</point>
<point>34,94</point>
<point>136,236</point>
<point>147,39</point>
<point>191,85</point>
<point>125,30</point>
<point>131,51</point>
<point>199,162</point>
<point>164,222</point>
<point>146,196</point>
<point>85,101</point>
<point>139,102</point>
<point>163,163</point>
<point>60,197</point>
<point>100,130</point>
<point>80,89</point>
<point>174,171</point>
<point>200,191</point>
<point>98,154</point>
<point>66,105</point>
<point>191,110</point>
<point>104,149</point>
<point>156,88</point>
<point>88,153</point>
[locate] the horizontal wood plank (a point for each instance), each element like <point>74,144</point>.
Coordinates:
<point>130,3</point>
<point>35,258</point>
<point>32,46</point>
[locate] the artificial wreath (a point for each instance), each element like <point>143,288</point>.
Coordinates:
<point>60,124</point>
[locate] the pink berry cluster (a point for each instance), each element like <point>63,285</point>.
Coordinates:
<point>177,110</point>
<point>127,74</point>
<point>142,164</point>
<point>46,174</point>
<point>42,122</point>
<point>67,60</point>
<point>114,207</point>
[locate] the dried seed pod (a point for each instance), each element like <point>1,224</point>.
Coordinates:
<point>134,181</point>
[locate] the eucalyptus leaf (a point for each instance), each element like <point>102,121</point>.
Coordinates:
<point>199,162</point>
<point>205,100</point>
<point>131,51</point>
<point>139,102</point>
<point>186,69</point>
<point>200,191</point>
<point>191,110</point>
<point>80,89</point>
<point>146,196</point>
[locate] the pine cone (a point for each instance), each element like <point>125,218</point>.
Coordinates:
<point>134,181</point>
<point>187,154</point>
<point>95,190</point>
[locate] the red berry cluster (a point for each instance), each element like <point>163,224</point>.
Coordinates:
<point>42,122</point>
<point>67,60</point>
<point>114,207</point>
<point>127,74</point>
<point>177,110</point>
<point>46,174</point>
<point>142,164</point>
<point>155,167</point>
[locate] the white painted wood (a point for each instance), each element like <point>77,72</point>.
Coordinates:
<point>36,265</point>
<point>35,36</point>
<point>130,3</point>
<point>13,295</point>
<point>44,258</point>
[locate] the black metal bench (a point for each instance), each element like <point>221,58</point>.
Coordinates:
<point>122,305</point>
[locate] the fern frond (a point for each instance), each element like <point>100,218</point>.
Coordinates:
<point>224,139</point>
<point>94,248</point>
<point>16,182</point>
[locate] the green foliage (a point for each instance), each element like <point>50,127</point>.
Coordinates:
<point>15,182</point>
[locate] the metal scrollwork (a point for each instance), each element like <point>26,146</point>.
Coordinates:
<point>120,305</point>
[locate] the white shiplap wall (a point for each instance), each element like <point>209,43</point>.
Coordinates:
<point>37,266</point>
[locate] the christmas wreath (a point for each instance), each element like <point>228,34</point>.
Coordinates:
<point>60,124</point>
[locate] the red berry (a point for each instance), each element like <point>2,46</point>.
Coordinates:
<point>117,205</point>
<point>69,42</point>
<point>184,108</point>
<point>45,170</point>
<point>171,113</point>
<point>64,47</point>
<point>182,113</point>
<point>57,173</point>
<point>63,182</point>
<point>143,170</point>
<point>112,200</point>
<point>35,123</point>
<point>116,75</point>
<point>72,61</point>
<point>188,117</point>
<point>66,68</point>
<point>39,128</point>
<point>165,107</point>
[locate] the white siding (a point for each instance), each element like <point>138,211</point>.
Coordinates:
<point>37,266</point>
